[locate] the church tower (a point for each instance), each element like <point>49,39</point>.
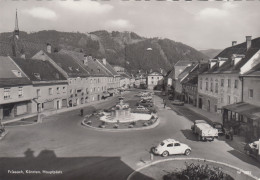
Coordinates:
<point>16,29</point>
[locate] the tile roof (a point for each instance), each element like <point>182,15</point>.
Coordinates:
<point>109,68</point>
<point>38,70</point>
<point>92,67</point>
<point>237,49</point>
<point>185,72</point>
<point>69,65</point>
<point>192,78</point>
<point>10,82</point>
<point>255,71</point>
<point>7,74</point>
<point>183,63</point>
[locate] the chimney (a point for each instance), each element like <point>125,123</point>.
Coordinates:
<point>104,61</point>
<point>48,48</point>
<point>234,43</point>
<point>248,42</point>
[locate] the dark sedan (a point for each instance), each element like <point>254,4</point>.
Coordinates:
<point>219,127</point>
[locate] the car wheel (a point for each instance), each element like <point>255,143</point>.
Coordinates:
<point>187,152</point>
<point>165,154</point>
<point>152,149</point>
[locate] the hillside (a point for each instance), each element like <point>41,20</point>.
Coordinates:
<point>116,47</point>
<point>211,53</point>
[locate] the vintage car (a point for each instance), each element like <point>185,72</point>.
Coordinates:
<point>171,147</point>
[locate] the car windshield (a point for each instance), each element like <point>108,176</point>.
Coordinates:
<point>162,143</point>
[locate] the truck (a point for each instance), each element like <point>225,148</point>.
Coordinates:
<point>204,130</point>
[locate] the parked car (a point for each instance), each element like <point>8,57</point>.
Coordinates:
<point>178,103</point>
<point>141,108</point>
<point>170,147</point>
<point>171,98</point>
<point>219,127</point>
<point>147,97</point>
<point>204,130</point>
<point>145,103</point>
<point>251,149</point>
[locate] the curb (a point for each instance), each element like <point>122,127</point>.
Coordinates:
<point>200,159</point>
<point>122,130</point>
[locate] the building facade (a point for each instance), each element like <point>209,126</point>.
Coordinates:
<point>154,79</point>
<point>15,90</point>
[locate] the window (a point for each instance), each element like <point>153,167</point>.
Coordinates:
<point>229,83</point>
<point>200,84</point>
<point>235,98</point>
<point>157,77</point>
<point>17,73</point>
<point>170,145</point>
<point>206,86</point>
<point>20,92</point>
<point>37,75</point>
<point>98,89</point>
<point>211,86</point>
<point>152,77</point>
<point>7,93</point>
<point>38,92</point>
<point>94,89</point>
<point>58,90</point>
<point>50,91</point>
<point>176,144</point>
<point>216,108</point>
<point>90,81</point>
<point>236,84</point>
<point>251,93</point>
<point>222,82</point>
<point>228,99</point>
<point>216,88</point>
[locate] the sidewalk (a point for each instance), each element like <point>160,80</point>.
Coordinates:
<point>237,143</point>
<point>212,117</point>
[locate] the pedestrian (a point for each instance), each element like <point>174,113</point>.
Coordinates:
<point>81,112</point>
<point>231,133</point>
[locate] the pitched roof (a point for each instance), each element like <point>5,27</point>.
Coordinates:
<point>92,66</point>
<point>185,72</point>
<point>155,73</point>
<point>183,63</point>
<point>192,78</point>
<point>255,71</point>
<point>38,70</point>
<point>69,65</point>
<point>171,73</point>
<point>240,49</point>
<point>109,68</point>
<point>9,73</point>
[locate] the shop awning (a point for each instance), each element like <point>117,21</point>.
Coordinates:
<point>249,110</point>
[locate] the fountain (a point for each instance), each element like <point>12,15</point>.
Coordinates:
<point>122,113</point>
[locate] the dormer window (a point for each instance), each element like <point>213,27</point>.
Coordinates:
<point>77,69</point>
<point>37,75</point>
<point>17,73</point>
<point>236,58</point>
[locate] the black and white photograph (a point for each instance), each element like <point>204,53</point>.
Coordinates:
<point>129,90</point>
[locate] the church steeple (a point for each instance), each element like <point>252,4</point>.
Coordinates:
<point>16,29</point>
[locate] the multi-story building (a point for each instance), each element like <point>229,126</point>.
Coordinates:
<point>15,90</point>
<point>190,84</point>
<point>76,75</point>
<point>221,85</point>
<point>245,115</point>
<point>154,79</point>
<point>49,85</point>
<point>97,83</point>
<point>179,92</point>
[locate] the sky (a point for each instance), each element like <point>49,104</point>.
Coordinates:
<point>199,24</point>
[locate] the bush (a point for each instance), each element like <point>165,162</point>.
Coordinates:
<point>198,172</point>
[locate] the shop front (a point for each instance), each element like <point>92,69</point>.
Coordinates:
<point>244,118</point>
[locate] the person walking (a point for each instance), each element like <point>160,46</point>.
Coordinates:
<point>81,112</point>
<point>231,133</point>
